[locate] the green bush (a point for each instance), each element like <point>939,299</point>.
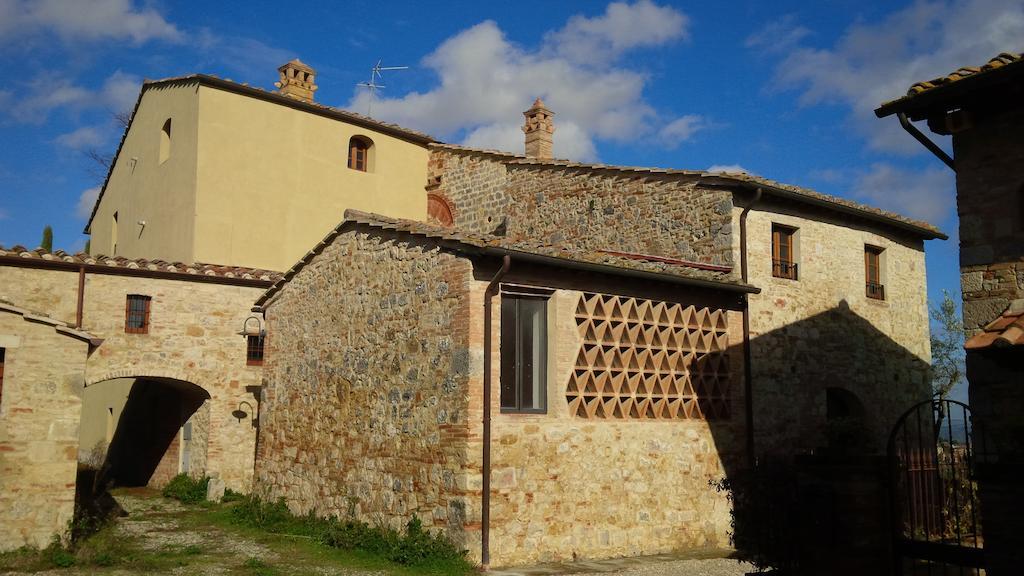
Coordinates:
<point>186,489</point>
<point>58,555</point>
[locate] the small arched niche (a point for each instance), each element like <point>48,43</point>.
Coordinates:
<point>845,425</point>
<point>439,210</point>
<point>165,142</point>
<point>360,154</point>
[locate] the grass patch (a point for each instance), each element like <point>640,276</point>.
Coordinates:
<point>186,489</point>
<point>257,567</point>
<point>413,547</point>
<point>103,549</point>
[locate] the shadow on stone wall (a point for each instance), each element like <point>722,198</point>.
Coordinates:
<point>826,392</point>
<point>149,424</point>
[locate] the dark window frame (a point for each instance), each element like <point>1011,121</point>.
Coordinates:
<point>515,406</point>
<point>873,286</point>
<point>359,153</point>
<point>784,265</point>
<point>137,317</point>
<point>254,349</point>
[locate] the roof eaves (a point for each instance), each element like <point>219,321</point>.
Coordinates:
<point>471,245</point>
<point>929,92</point>
<point>59,326</point>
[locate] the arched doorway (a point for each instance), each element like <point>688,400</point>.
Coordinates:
<point>144,430</point>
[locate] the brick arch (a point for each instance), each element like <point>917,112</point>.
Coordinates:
<point>439,209</point>
<point>148,372</point>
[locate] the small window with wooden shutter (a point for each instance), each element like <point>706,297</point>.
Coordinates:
<point>136,314</point>
<point>359,153</point>
<point>784,252</point>
<point>873,272</point>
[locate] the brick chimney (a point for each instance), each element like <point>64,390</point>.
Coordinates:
<point>539,129</point>
<point>297,81</point>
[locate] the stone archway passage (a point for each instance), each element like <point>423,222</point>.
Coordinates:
<point>144,447</point>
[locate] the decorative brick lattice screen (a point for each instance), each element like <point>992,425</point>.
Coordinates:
<point>644,359</point>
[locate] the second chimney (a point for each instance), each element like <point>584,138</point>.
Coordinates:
<point>539,129</point>
<point>297,80</point>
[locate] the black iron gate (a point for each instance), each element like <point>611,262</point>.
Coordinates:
<point>935,510</point>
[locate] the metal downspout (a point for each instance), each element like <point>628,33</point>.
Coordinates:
<point>748,373</point>
<point>485,507</point>
<point>79,309</point>
<point>925,141</point>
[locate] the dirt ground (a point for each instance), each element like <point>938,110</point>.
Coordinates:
<point>160,535</point>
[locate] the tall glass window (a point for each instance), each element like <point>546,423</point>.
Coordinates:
<point>523,353</point>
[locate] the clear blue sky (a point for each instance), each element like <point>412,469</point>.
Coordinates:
<point>781,89</point>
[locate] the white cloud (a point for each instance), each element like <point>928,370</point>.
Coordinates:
<point>86,200</point>
<point>622,27</point>
<point>85,20</point>
<point>83,138</point>
<point>873,62</point>
<point>247,57</point>
<point>926,194</point>
<point>727,168</point>
<point>486,81</point>
<point>681,129</point>
<point>49,91</point>
<point>778,36</point>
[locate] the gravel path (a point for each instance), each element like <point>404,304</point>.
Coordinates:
<point>705,563</point>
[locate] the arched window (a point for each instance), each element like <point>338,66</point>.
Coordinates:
<point>359,149</point>
<point>165,141</point>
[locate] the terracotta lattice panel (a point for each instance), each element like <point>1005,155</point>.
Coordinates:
<point>644,359</point>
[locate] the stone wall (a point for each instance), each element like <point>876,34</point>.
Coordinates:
<point>193,338</point>
<point>589,209</point>
<point>822,330</point>
<point>990,201</point>
<point>39,414</point>
<point>474,185</point>
<point>364,406</point>
<point>566,487</point>
<point>613,210</point>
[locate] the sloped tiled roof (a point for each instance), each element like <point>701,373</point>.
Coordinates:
<point>598,260</point>
<point>59,326</point>
<point>770,187</point>
<point>1006,330</point>
<point>936,85</point>
<point>41,256</point>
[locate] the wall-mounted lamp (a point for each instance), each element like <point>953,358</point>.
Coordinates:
<point>252,326</point>
<point>240,414</point>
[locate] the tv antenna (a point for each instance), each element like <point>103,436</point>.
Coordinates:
<point>375,76</point>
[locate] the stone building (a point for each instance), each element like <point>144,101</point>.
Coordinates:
<point>656,330</point>
<point>982,109</point>
<point>211,170</point>
<point>42,373</point>
<point>178,368</point>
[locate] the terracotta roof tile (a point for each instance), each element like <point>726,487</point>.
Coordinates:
<point>1006,330</point>
<point>699,273</point>
<point>770,186</point>
<point>935,84</point>
<point>966,72</point>
<point>196,269</point>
